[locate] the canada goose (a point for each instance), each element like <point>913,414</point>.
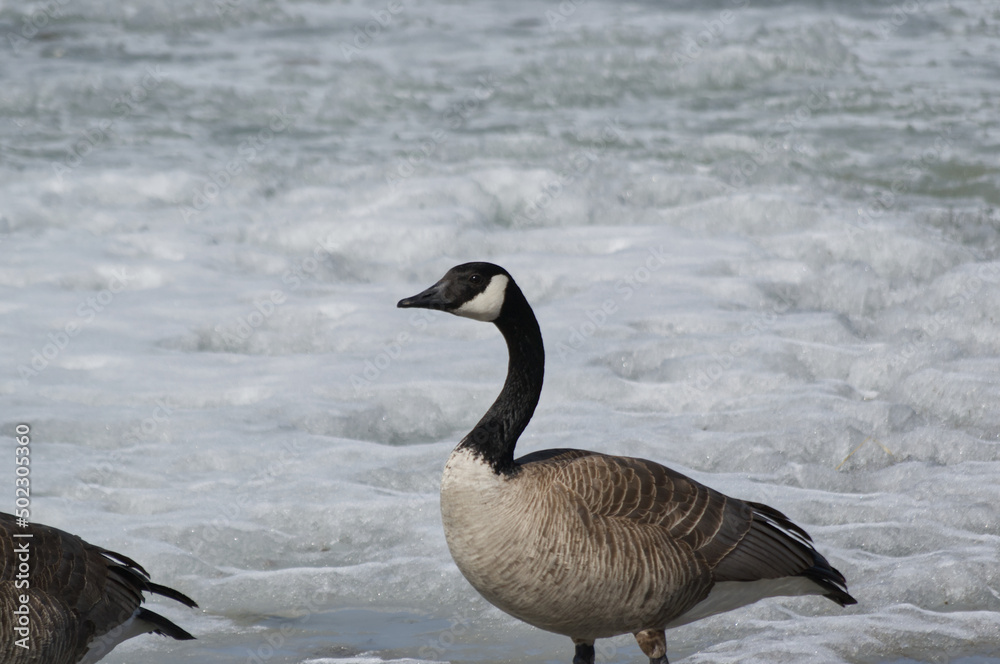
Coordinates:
<point>64,601</point>
<point>589,545</point>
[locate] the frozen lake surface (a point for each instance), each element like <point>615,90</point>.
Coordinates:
<point>761,239</point>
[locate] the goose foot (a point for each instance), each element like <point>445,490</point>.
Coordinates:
<point>653,643</point>
<point>584,653</point>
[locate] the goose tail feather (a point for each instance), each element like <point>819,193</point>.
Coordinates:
<point>162,626</point>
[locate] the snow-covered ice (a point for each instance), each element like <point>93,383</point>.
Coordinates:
<point>762,242</point>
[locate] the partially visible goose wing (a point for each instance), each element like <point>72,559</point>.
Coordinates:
<point>81,597</point>
<point>737,540</point>
<point>773,544</point>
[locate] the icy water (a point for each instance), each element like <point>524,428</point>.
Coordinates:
<point>761,240</point>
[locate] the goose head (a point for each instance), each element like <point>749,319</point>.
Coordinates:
<point>472,290</point>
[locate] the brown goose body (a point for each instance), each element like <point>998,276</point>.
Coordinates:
<point>543,543</point>
<point>541,550</point>
<point>82,600</point>
<point>590,545</point>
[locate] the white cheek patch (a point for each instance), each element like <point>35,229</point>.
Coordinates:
<point>486,306</point>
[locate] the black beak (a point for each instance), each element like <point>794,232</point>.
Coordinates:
<point>432,298</point>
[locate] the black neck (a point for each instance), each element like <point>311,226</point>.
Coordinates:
<point>495,436</point>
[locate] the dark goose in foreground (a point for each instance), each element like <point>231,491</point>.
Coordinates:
<point>590,545</point>
<point>82,600</point>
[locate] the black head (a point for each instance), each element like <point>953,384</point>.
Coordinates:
<point>473,290</point>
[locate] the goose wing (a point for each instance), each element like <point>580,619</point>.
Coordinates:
<point>735,539</point>
<point>77,593</point>
<point>643,492</point>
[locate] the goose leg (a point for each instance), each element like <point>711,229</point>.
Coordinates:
<point>584,652</point>
<point>653,643</point>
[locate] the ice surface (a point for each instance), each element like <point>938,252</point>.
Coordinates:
<point>762,246</point>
